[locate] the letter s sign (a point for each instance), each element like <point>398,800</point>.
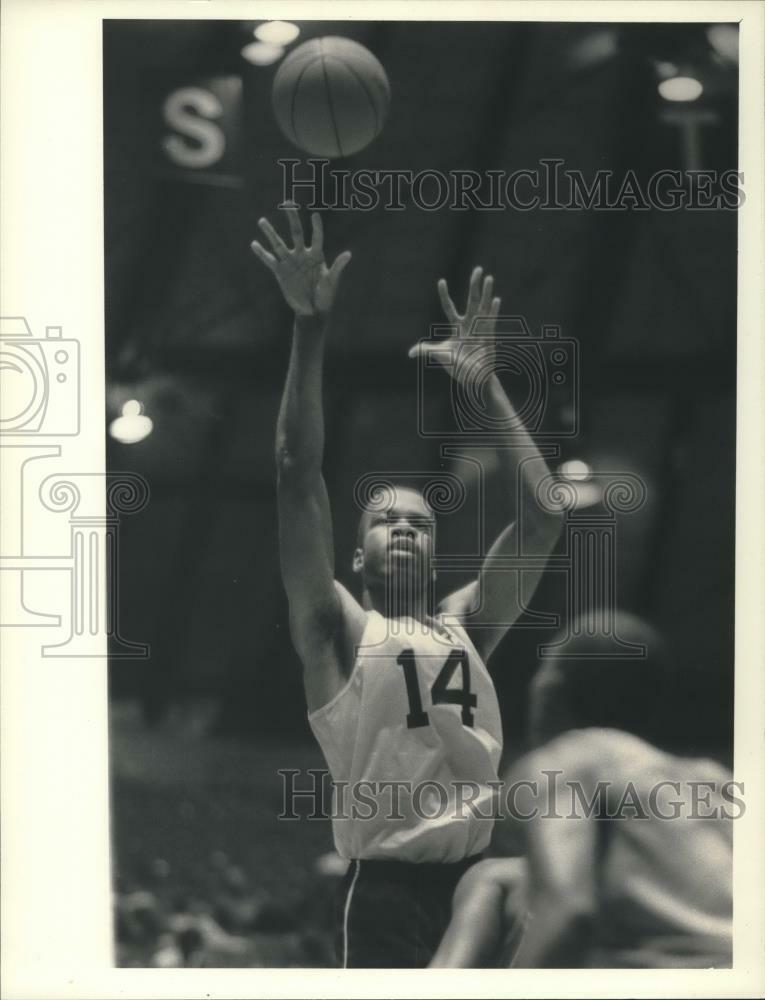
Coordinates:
<point>190,111</point>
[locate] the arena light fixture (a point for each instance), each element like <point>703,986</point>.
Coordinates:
<point>262,53</point>
<point>586,491</point>
<point>277,32</point>
<point>681,88</point>
<point>133,425</point>
<point>576,470</point>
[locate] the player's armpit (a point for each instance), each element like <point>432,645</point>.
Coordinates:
<point>326,635</point>
<point>326,639</point>
<point>317,637</point>
<point>354,620</point>
<point>462,603</point>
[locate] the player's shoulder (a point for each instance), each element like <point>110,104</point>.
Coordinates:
<point>587,750</point>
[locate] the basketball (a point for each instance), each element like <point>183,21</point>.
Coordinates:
<point>331,97</point>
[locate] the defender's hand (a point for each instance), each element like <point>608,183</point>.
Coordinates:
<point>307,284</point>
<point>472,341</point>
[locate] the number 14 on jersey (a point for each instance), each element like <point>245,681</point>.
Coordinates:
<point>440,693</point>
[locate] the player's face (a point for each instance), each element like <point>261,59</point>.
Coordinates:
<point>399,540</point>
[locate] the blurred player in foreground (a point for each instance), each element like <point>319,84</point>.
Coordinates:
<point>634,875</point>
<point>399,697</point>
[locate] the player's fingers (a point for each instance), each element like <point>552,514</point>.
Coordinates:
<point>268,259</point>
<point>338,266</point>
<point>495,304</point>
<point>317,233</point>
<point>486,293</point>
<point>423,349</point>
<point>474,289</point>
<point>450,310</point>
<point>296,226</point>
<point>277,243</point>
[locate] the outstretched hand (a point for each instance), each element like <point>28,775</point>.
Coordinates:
<point>474,328</point>
<point>307,284</point>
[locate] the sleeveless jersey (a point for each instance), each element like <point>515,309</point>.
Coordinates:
<point>419,708</point>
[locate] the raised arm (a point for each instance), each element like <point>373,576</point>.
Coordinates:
<point>323,619</point>
<point>491,603</point>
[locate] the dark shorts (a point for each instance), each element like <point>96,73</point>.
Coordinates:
<point>393,914</point>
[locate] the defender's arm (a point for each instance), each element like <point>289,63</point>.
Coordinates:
<point>561,854</point>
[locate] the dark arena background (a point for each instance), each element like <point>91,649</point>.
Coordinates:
<point>197,334</point>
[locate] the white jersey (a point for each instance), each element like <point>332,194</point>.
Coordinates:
<point>419,708</point>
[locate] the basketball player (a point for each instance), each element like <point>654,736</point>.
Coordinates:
<point>640,880</point>
<point>398,693</point>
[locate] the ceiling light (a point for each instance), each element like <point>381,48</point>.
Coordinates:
<point>575,469</point>
<point>680,88</point>
<point>277,32</point>
<point>133,426</point>
<point>262,53</point>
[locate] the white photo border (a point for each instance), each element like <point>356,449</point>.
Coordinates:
<point>56,903</point>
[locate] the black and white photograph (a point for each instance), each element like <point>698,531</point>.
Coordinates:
<point>410,569</point>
